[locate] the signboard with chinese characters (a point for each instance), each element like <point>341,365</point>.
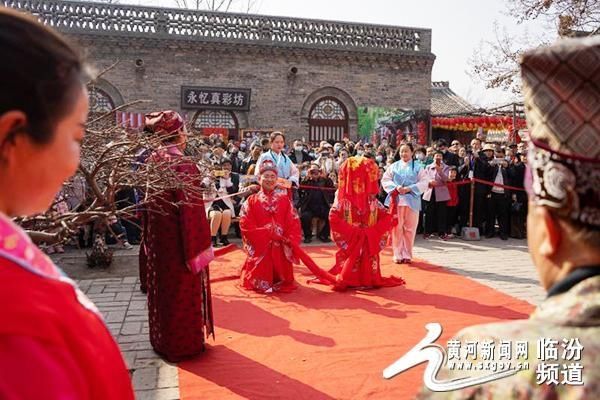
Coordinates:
<point>194,97</point>
<point>496,136</point>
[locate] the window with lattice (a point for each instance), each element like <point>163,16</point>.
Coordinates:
<point>215,119</point>
<point>100,101</point>
<point>328,109</point>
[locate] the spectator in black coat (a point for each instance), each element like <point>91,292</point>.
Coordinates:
<point>298,155</point>
<point>315,204</point>
<point>518,208</point>
<point>449,158</point>
<point>475,166</point>
<point>499,197</point>
<point>234,156</point>
<point>255,152</point>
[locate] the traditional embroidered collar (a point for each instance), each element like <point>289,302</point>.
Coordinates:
<point>570,184</point>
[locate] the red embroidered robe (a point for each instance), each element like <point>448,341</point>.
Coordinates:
<point>271,229</point>
<point>360,237</point>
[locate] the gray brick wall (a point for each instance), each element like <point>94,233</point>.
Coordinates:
<point>278,99</point>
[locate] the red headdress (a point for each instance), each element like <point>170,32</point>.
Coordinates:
<point>164,122</point>
<point>358,183</point>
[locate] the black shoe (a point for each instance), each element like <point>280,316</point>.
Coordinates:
<point>324,239</point>
<point>307,240</point>
<point>503,237</point>
<point>489,235</point>
<point>214,242</point>
<point>224,240</point>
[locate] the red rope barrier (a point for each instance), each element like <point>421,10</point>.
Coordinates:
<point>460,183</point>
<point>457,183</point>
<point>498,185</point>
<point>484,182</point>
<point>316,188</point>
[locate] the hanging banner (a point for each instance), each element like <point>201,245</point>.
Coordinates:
<point>369,117</point>
<point>211,98</point>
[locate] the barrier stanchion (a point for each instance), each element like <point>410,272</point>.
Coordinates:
<point>471,233</point>
<point>472,197</point>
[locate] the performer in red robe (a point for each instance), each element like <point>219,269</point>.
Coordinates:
<point>270,229</point>
<point>359,226</point>
<point>178,246</point>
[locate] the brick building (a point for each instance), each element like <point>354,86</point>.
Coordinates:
<point>242,71</point>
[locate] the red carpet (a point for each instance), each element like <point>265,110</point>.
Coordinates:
<point>319,344</point>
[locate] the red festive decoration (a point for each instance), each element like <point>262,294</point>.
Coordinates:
<point>422,133</point>
<point>468,124</point>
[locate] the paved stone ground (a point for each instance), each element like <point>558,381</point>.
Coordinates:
<point>505,266</point>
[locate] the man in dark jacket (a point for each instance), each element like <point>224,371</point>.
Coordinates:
<point>499,198</point>
<point>475,166</point>
<point>315,203</point>
<point>449,158</point>
<point>255,152</point>
<point>234,156</point>
<point>298,155</point>
<point>518,211</point>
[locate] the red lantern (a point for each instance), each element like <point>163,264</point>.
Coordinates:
<point>421,133</point>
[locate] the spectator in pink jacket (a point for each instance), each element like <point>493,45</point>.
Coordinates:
<point>436,197</point>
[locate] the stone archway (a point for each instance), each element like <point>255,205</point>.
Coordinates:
<point>328,119</point>
<point>103,96</point>
<point>329,113</point>
<point>215,119</point>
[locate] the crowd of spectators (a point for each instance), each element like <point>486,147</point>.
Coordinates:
<point>446,204</point>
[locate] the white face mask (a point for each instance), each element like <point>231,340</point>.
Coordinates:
<point>360,153</point>
<point>420,157</point>
<point>298,148</point>
<point>379,159</point>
